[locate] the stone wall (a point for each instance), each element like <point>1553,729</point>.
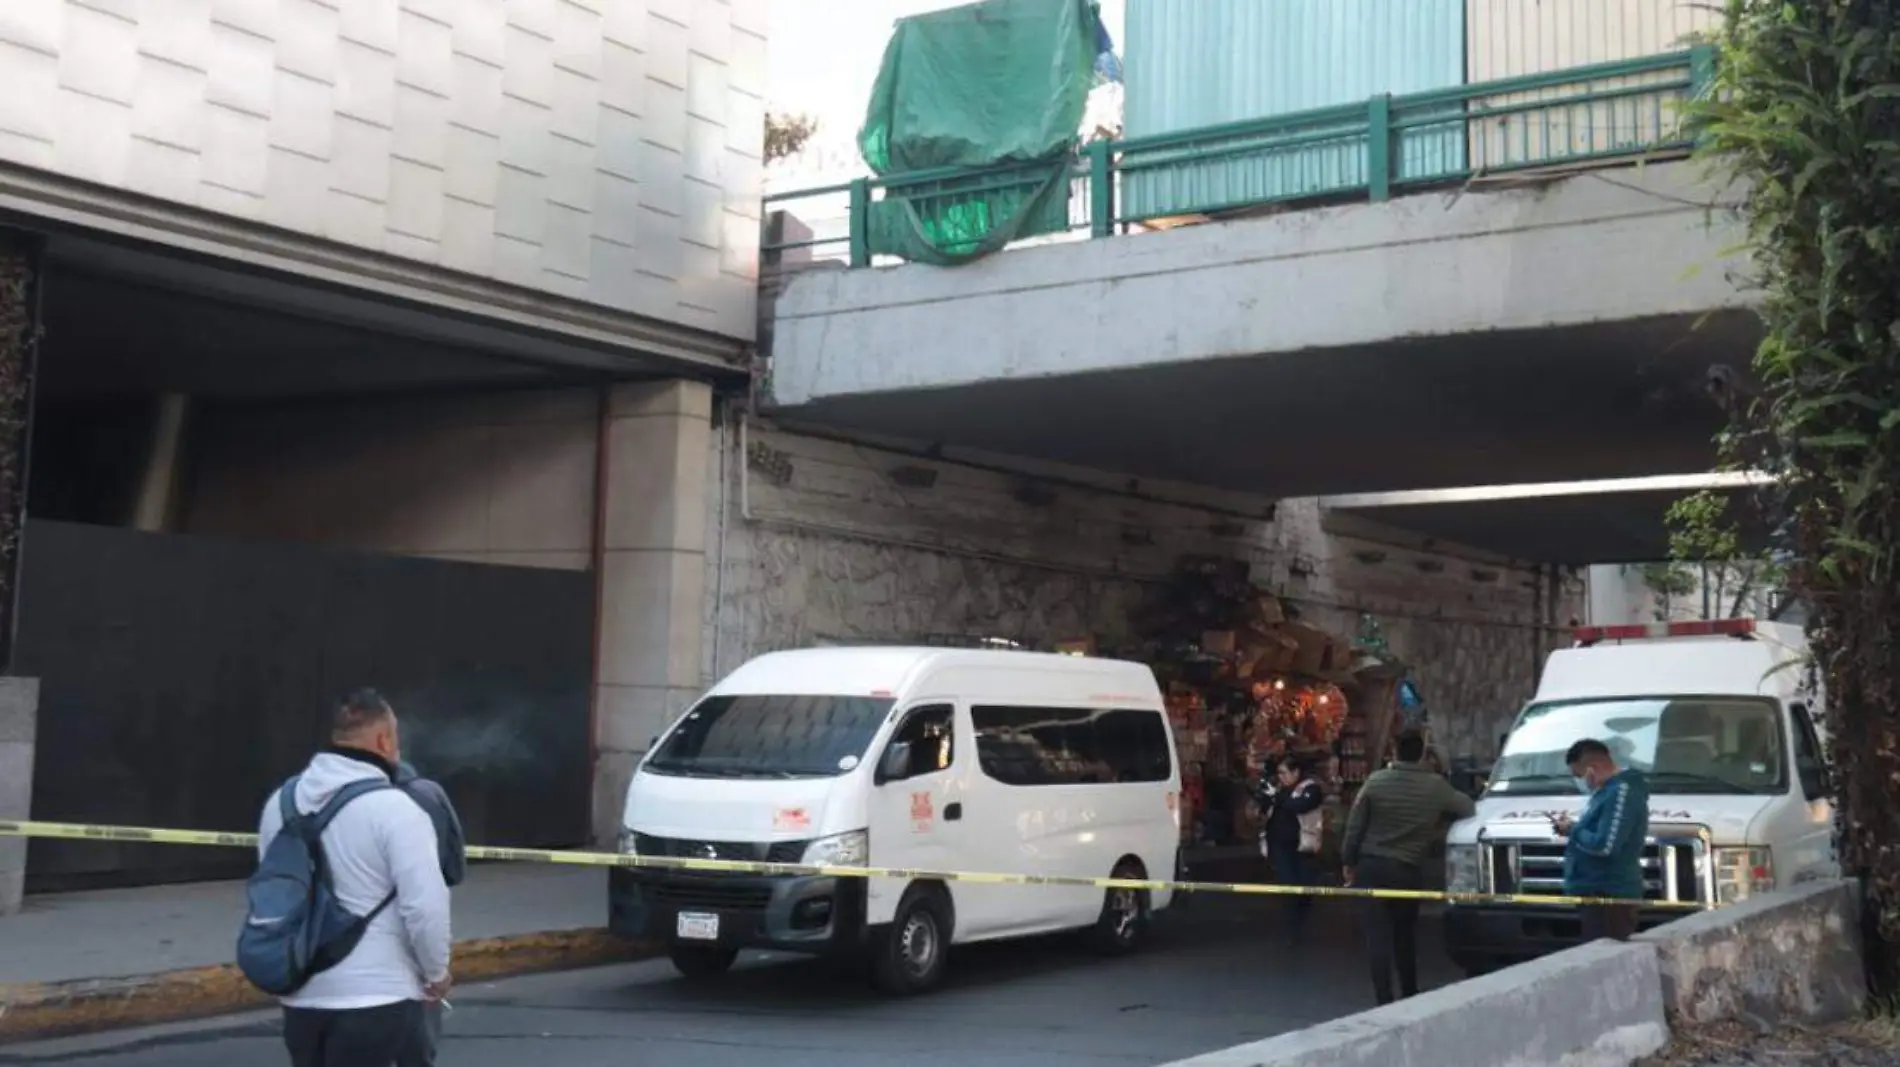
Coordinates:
<point>1592,1006</point>
<point>19,720</point>
<point>847,543</point>
<point>1790,958</point>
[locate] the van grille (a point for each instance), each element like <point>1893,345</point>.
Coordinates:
<point>737,851</point>
<point>1673,868</point>
<point>686,894</point>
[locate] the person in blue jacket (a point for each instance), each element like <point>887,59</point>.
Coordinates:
<point>1603,849</point>
<point>452,854</point>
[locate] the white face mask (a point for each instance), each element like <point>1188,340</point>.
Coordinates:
<point>1583,785</point>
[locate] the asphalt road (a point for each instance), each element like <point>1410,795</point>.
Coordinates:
<point>1216,974</point>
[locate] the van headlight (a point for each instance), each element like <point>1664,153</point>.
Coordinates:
<point>1461,869</point>
<point>1743,872</point>
<point>839,850</point>
<point>626,843</point>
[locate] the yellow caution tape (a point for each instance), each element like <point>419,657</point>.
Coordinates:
<point>147,835</point>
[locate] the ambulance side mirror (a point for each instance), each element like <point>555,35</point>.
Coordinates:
<point>895,766</point>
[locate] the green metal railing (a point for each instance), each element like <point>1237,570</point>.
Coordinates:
<point>1387,146</point>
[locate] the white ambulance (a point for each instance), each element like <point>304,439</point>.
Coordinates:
<point>914,758</point>
<point>1724,719</point>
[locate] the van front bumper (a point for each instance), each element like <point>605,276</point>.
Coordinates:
<point>792,913</point>
<point>1487,936</point>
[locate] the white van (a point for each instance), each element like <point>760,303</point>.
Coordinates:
<point>1721,717</point>
<point>921,759</point>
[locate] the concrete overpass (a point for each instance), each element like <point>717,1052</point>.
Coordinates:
<point>1546,329</point>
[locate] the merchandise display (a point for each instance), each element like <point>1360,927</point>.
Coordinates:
<point>1248,684</point>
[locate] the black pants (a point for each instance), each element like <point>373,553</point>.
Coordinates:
<point>361,1037</point>
<point>1390,926</point>
<point>421,1051</point>
<point>1614,921</point>
<point>1292,868</point>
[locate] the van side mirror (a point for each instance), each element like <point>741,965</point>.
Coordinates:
<point>895,765</point>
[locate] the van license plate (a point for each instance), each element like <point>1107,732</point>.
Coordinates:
<point>698,926</point>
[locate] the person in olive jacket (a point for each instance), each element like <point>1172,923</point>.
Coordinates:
<point>1396,819</point>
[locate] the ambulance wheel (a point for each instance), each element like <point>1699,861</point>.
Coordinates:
<point>702,963</point>
<point>909,957</point>
<point>1123,924</point>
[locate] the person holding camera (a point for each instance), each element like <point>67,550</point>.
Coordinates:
<point>1290,836</point>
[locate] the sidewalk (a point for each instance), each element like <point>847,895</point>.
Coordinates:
<point>75,962</point>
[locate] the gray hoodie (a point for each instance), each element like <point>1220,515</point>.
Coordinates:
<point>379,843</point>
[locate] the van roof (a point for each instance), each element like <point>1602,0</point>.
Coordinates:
<point>892,671</point>
<point>1675,667</point>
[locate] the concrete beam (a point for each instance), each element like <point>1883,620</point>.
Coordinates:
<point>1598,247</point>
<point>1621,520</point>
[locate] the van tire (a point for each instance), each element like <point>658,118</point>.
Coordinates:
<point>1123,924</point>
<point>702,963</point>
<point>909,957</point>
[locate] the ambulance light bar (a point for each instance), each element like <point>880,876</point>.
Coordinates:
<point>1739,628</point>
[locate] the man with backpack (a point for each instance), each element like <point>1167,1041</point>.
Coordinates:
<point>348,916</point>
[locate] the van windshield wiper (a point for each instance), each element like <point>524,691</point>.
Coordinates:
<point>1535,779</point>
<point>686,770</point>
<point>1721,784</point>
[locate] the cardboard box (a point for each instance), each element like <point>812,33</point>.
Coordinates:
<point>1318,653</point>
<point>1218,642</point>
<point>1268,653</point>
<point>1268,611</point>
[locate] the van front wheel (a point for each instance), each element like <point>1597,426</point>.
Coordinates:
<point>1123,924</point>
<point>909,957</point>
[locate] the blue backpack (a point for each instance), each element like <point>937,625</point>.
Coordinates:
<point>294,926</point>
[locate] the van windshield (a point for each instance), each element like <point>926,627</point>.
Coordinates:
<point>770,737</point>
<point>1685,744</point>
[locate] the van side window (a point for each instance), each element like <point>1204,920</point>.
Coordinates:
<point>930,731</point>
<point>1028,745</point>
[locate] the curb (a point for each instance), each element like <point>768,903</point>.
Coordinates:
<point>30,1011</point>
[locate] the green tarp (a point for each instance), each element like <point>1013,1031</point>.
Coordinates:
<point>997,82</point>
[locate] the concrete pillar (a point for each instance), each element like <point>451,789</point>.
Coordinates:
<point>19,719</point>
<point>653,579</point>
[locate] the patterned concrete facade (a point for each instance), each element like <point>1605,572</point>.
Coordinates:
<point>603,150</point>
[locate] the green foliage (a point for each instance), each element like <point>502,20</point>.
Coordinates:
<point>1707,546</point>
<point>1702,529</point>
<point>1806,112</point>
<point>786,134</point>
